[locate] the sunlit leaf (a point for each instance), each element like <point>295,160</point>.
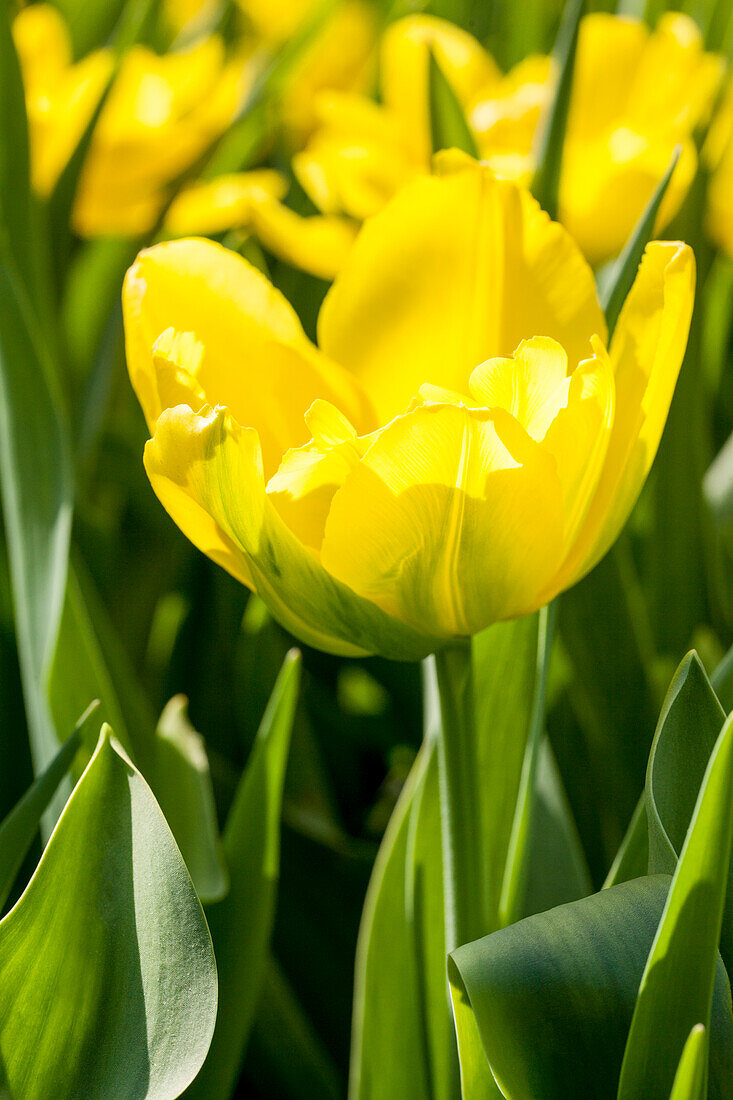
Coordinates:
<point>107,976</point>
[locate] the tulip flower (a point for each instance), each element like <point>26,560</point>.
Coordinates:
<point>160,115</point>
<point>462,445</point>
<point>636,95</point>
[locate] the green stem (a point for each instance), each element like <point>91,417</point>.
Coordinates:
<point>460,808</point>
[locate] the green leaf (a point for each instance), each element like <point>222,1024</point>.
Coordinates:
<point>551,136</point>
<point>36,483</point>
<point>448,126</point>
<point>688,728</point>
<point>390,1037</point>
<point>618,276</point>
<point>91,662</point>
<point>505,664</point>
<point>107,975</point>
<point>604,632</point>
<point>90,22</point>
<point>241,924</point>
<point>691,1078</point>
<point>722,681</point>
<point>514,884</point>
<point>556,870</point>
<point>677,987</point>
<point>19,828</point>
<point>553,995</point>
<point>16,221</point>
<point>186,796</point>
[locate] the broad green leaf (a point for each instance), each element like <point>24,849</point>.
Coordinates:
<point>448,125</point>
<point>36,483</point>
<point>186,796</point>
<point>688,729</point>
<point>241,924</point>
<point>553,995</point>
<point>284,1049</point>
<point>632,858</point>
<point>107,975</point>
<point>551,135</point>
<point>19,828</point>
<point>691,1078</point>
<point>689,724</point>
<point>390,1043</point>
<point>618,276</point>
<point>677,987</point>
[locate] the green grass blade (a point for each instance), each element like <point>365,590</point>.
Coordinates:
<point>691,1078</point>
<point>551,138</point>
<point>19,828</point>
<point>448,126</point>
<point>242,923</point>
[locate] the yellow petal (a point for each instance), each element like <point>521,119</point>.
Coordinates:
<point>256,359</point>
<point>213,206</point>
<point>607,60</point>
<point>607,183</point>
<point>456,270</point>
<point>340,56</point>
<point>532,385</point>
<point>404,73</point>
<point>207,472</point>
<point>452,519</point>
<point>571,415</point>
<point>43,44</point>
<point>318,244</point>
<point>646,354</point>
<point>303,487</point>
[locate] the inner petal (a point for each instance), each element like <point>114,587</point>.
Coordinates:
<point>532,385</point>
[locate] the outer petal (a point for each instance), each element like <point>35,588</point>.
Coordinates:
<point>452,520</point>
<point>256,359</point>
<point>610,50</point>
<point>318,244</point>
<point>404,73</point>
<point>607,183</point>
<point>457,269</point>
<point>207,473</point>
<point>214,206</point>
<point>646,352</point>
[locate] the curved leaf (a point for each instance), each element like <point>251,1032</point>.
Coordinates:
<point>107,975</point>
<point>691,1078</point>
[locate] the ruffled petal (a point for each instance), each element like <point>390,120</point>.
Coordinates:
<point>256,359</point>
<point>207,472</point>
<point>452,520</point>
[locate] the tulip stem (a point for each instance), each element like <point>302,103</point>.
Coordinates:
<point>463,860</point>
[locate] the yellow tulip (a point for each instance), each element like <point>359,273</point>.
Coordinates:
<point>460,447</point>
<point>718,152</point>
<point>160,115</point>
<point>636,95</point>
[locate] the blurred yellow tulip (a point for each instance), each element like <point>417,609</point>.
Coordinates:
<point>636,95</point>
<point>718,155</point>
<point>462,445</point>
<point>160,115</point>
